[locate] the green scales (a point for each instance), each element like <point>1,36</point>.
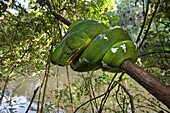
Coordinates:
<point>90,45</point>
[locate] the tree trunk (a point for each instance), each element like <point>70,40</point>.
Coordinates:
<point>151,84</point>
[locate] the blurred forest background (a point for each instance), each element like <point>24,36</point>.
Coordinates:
<point>30,30</point>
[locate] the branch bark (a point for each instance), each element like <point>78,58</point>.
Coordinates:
<point>151,84</point>
<point>57,15</point>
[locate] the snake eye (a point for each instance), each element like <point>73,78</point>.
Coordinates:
<point>68,52</point>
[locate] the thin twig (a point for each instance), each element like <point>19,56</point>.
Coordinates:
<point>124,103</point>
<point>44,92</point>
<point>140,33</point>
<point>154,53</point>
<point>35,92</point>
<point>93,93</point>
<point>58,87</point>
<point>130,96</point>
<point>166,24</point>
<point>46,75</point>
<point>120,78</point>
<point>85,110</point>
<point>108,108</point>
<point>39,96</point>
<point>88,89</point>
<point>150,23</point>
<point>70,89</point>
<point>143,6</point>
<point>151,102</point>
<point>107,94</point>
<point>147,107</point>
<point>117,97</point>
<point>89,101</point>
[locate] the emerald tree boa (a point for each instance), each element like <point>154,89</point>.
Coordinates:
<point>90,45</point>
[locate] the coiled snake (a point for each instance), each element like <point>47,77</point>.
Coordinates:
<point>90,45</point>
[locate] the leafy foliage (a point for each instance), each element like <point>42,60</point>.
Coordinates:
<point>26,37</point>
<point>22,40</point>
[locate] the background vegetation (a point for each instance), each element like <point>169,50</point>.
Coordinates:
<point>28,36</point>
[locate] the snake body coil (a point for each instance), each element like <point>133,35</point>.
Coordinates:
<point>90,45</point>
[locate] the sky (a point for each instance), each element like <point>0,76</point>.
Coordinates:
<point>24,3</point>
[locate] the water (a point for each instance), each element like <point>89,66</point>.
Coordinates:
<point>21,90</point>
<point>17,105</point>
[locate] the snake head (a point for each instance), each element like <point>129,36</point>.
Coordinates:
<point>56,54</point>
<point>74,45</point>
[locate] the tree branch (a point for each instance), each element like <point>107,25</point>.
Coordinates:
<point>151,84</point>
<point>150,23</point>
<point>58,16</point>
<point>147,8</point>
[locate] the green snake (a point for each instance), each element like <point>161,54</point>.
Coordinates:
<point>90,45</point>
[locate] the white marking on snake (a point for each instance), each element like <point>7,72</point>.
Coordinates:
<point>83,59</point>
<point>104,64</point>
<point>114,50</point>
<point>136,46</point>
<point>98,21</point>
<point>105,37</point>
<point>123,47</point>
<point>100,36</point>
<point>80,60</point>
